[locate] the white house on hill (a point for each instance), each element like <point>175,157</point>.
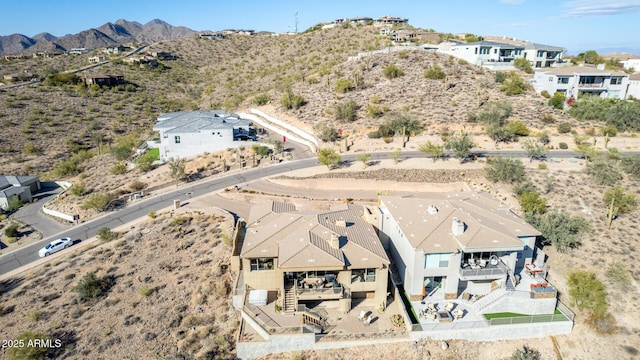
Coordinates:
<point>578,80</point>
<point>185,134</point>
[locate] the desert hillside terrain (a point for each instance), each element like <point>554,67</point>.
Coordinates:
<point>166,280</point>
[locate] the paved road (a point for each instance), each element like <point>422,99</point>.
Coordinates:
<point>25,255</point>
<point>31,214</point>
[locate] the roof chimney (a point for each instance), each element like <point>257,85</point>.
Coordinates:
<point>457,227</point>
<point>335,241</point>
<point>432,210</point>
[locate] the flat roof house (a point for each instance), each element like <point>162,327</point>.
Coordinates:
<point>185,134</point>
<point>308,256</point>
<point>633,90</point>
<point>458,243</point>
<point>574,81</point>
<point>499,55</point>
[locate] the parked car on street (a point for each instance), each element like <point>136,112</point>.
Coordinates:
<point>55,246</point>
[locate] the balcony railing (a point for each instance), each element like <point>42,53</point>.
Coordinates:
<point>591,85</point>
<point>320,293</point>
<point>488,272</point>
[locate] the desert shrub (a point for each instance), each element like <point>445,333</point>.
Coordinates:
<point>261,99</point>
<point>564,128</point>
<point>343,85</point>
<point>542,166</point>
<point>261,150</point>
<point>514,85</point>
<point>145,162</point>
<point>328,157</point>
<point>587,292</point>
<point>137,185</point>
<point>12,230</point>
<point>609,130</point>
<point>518,128</point>
<point>563,146</point>
<point>402,122</point>
<point>61,79</point>
<point>105,234</point>
<point>531,202</point>
<point>14,203</point>
<point>523,187</point>
<point>461,146</point>
<point>376,111</point>
<point>523,64</point>
<point>30,149</point>
<point>544,137</point>
<point>624,115</point>
<point>559,229</point>
<point>67,168</point>
<point>118,169</point>
<point>622,200</point>
<point>391,71</point>
<point>97,201</point>
<point>545,94</point>
<point>145,290</point>
<point>618,274</point>
<point>631,166</point>
<point>346,111</point>
<point>557,100</point>
<point>291,101</point>
<point>603,171</point>
<point>78,189</point>
<point>325,132</point>
<point>548,118</point>
<point>499,77</point>
<point>91,288</point>
<point>434,72</point>
<point>590,108</point>
<point>28,352</point>
<point>501,169</point>
<point>34,315</point>
<point>397,320</point>
<point>525,353</point>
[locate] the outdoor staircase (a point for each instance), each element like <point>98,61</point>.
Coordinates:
<point>290,300</point>
<point>488,299</point>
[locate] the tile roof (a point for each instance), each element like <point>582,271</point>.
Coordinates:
<point>488,224</point>
<point>303,239</point>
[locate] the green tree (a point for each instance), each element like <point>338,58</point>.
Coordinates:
<point>432,150</point>
<point>119,168</point>
<point>501,169</point>
<point>461,146</point>
<point>364,158</point>
<point>391,71</point>
<point>177,169</point>
<point>12,230</point>
<point>531,202</point>
<point>261,150</point>
<point>587,292</point>
<point>291,101</point>
<point>278,146</point>
<point>328,157</point>
<point>559,229</point>
<point>261,99</point>
<point>590,108</point>
<point>500,77</point>
<point>343,85</point>
<point>590,57</point>
<point>14,203</point>
<point>26,352</point>
<point>523,64</point>
<point>534,149</point>
<point>346,111</point>
<point>517,128</point>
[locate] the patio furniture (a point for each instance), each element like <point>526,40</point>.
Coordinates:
<point>458,314</point>
<point>482,263</point>
<point>362,316</point>
<point>431,316</point>
<point>466,296</point>
<point>367,321</point>
<point>421,313</point>
<point>432,307</point>
<point>449,306</point>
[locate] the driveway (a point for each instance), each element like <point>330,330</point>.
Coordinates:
<point>30,214</point>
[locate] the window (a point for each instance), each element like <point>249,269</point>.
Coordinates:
<point>260,264</point>
<point>476,50</point>
<point>363,275</point>
<point>616,80</point>
<point>177,139</point>
<point>518,51</point>
<point>550,78</point>
<point>563,80</point>
<point>436,260</point>
<point>540,53</point>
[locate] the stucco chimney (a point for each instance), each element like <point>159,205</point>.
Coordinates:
<point>335,241</point>
<point>457,226</point>
<point>341,223</point>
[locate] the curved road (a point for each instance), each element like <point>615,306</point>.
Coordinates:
<point>27,254</point>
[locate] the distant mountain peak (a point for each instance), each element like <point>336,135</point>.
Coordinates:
<point>156,22</point>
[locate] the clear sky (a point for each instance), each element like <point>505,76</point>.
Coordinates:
<point>577,25</point>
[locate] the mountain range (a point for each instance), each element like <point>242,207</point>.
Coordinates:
<point>109,34</point>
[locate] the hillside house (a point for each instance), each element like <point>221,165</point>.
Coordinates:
<point>633,90</point>
<point>306,256</point>
<point>103,80</point>
<point>575,81</point>
<point>390,20</point>
<point>186,134</point>
<point>96,59</point>
<point>455,243</point>
<point>22,187</point>
<point>163,55</point>
<point>115,50</point>
<point>631,64</point>
<point>500,55</point>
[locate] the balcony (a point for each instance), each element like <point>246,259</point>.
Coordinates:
<point>591,85</point>
<point>329,292</point>
<point>483,271</point>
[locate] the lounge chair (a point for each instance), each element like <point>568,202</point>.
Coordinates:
<point>367,321</point>
<point>421,313</point>
<point>363,315</point>
<point>432,307</point>
<point>450,306</point>
<point>458,314</point>
<point>431,316</point>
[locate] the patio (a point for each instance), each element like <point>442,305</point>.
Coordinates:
<point>335,325</point>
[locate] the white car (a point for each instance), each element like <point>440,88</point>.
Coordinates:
<point>55,246</point>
